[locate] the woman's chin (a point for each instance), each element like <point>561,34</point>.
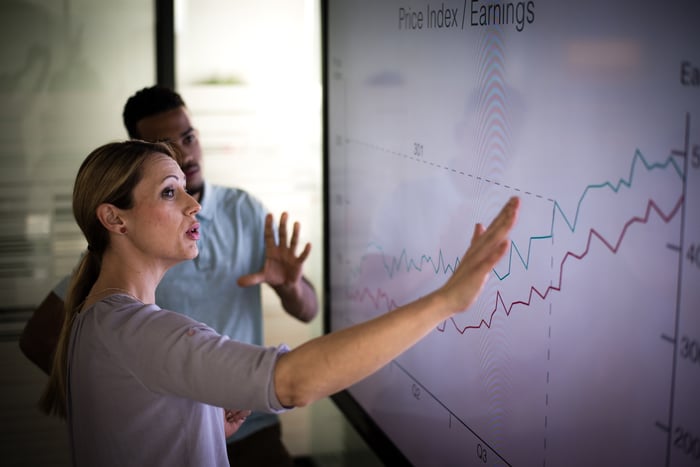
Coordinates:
<point>193,252</point>
<point>188,255</point>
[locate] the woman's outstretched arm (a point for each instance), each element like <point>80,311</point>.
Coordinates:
<point>330,363</point>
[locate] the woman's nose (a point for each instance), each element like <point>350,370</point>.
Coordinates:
<point>193,207</point>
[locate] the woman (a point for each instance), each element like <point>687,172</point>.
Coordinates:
<point>144,386</point>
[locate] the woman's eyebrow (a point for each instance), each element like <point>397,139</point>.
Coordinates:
<point>170,176</point>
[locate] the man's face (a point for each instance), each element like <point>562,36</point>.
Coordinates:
<point>173,126</point>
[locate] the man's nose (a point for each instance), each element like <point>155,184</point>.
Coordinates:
<point>187,155</point>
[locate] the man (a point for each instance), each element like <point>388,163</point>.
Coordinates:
<point>221,287</point>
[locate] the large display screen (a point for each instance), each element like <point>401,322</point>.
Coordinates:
<point>584,347</point>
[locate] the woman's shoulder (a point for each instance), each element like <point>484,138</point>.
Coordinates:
<point>134,317</point>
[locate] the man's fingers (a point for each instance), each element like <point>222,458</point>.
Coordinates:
<point>283,229</point>
<point>295,237</point>
<point>251,279</point>
<point>304,254</point>
<point>269,232</point>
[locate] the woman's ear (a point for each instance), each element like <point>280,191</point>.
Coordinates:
<point>108,214</point>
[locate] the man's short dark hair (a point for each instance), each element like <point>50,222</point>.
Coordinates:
<point>146,102</point>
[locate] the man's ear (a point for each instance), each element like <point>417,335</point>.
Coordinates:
<point>108,214</point>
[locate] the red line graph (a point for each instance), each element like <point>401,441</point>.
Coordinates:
<point>376,299</point>
<point>651,205</point>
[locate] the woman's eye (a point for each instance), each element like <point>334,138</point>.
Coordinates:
<point>169,193</point>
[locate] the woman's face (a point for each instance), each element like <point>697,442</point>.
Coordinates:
<point>162,222</point>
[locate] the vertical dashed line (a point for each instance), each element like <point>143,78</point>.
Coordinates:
<point>546,390</point>
<point>548,366</point>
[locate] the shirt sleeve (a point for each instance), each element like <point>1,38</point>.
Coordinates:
<point>173,354</point>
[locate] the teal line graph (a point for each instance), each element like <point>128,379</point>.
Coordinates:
<point>441,265</point>
<point>670,161</point>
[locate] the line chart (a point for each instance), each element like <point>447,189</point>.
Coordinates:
<point>404,262</point>
<point>583,347</point>
<point>613,247</point>
<point>381,299</point>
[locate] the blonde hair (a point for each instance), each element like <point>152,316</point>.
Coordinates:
<point>109,174</point>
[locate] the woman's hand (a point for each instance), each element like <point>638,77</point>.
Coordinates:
<point>487,247</point>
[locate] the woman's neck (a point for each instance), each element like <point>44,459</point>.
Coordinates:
<point>106,286</point>
<point>118,274</point>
